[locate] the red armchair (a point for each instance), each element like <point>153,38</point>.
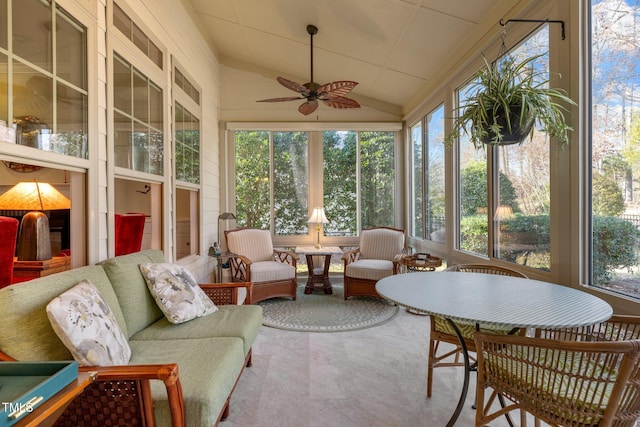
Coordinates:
<point>8,237</point>
<point>129,229</point>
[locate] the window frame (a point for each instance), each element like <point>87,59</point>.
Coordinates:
<point>315,170</point>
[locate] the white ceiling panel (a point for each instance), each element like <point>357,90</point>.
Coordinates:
<point>394,49</point>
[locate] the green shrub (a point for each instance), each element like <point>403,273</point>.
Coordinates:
<point>614,246</point>
<point>474,234</point>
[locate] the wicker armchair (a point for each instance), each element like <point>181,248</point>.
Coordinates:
<point>378,256</point>
<point>272,271</point>
<point>563,383</point>
<point>441,331</point>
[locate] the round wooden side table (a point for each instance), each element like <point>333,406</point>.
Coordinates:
<point>420,262</point>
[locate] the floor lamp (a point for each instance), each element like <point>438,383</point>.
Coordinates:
<point>225,216</point>
<point>34,241</point>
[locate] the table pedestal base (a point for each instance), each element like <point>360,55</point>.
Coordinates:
<point>318,275</point>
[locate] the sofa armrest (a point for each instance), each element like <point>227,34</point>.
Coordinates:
<point>350,256</point>
<point>125,388</point>
<point>227,293</point>
<point>288,257</point>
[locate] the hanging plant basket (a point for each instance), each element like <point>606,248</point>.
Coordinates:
<point>508,88</point>
<point>513,131</point>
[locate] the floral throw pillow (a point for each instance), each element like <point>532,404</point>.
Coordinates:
<point>176,292</point>
<point>85,324</point>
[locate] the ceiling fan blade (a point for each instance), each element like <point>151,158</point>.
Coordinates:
<point>341,87</point>
<point>337,101</point>
<point>289,98</point>
<point>296,87</point>
<point>308,107</point>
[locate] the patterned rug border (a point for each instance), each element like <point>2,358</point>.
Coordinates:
<point>325,308</point>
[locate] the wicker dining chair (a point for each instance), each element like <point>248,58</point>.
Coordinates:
<point>563,383</point>
<point>441,330</point>
<point>616,328</point>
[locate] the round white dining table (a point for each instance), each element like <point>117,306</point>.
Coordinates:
<point>492,300</point>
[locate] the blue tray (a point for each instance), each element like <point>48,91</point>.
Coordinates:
<point>26,385</point>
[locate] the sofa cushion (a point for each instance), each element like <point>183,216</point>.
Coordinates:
<point>372,269</point>
<point>23,313</point>
<point>266,271</point>
<point>138,306</point>
<point>253,243</point>
<point>208,370</point>
<point>176,292</point>
<point>85,324</point>
<point>229,321</point>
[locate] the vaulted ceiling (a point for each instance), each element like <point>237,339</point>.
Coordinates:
<point>395,49</point>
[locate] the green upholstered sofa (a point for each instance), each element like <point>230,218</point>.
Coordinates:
<point>179,374</point>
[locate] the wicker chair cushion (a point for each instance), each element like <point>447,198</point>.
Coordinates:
<point>229,321</point>
<point>381,243</point>
<point>252,243</point>
<point>176,291</point>
<point>138,306</point>
<point>467,331</point>
<point>86,325</point>
<point>208,367</point>
<point>543,371</point>
<point>266,271</point>
<point>371,269</point>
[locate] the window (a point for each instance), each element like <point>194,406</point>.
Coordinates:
<point>377,179</point>
<point>275,185</point>
<point>427,178</point>
<point>186,166</point>
<point>134,33</point>
<point>473,195</point>
<point>615,146</point>
<point>187,138</point>
<point>521,212</point>
<point>253,190</point>
<point>49,106</point>
<point>340,182</point>
<point>417,176</point>
<point>512,221</point>
<point>138,121</point>
<point>290,183</point>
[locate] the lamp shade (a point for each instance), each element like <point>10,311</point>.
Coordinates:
<point>318,217</point>
<point>34,242</point>
<point>34,196</point>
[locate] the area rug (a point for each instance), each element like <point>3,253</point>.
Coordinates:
<point>318,312</point>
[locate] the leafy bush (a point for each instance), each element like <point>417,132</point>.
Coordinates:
<point>474,234</point>
<point>614,246</point>
<point>474,189</point>
<point>607,196</point>
<point>614,240</point>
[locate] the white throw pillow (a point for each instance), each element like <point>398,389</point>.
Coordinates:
<point>85,324</point>
<point>176,292</point>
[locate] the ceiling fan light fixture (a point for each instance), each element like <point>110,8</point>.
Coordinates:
<point>332,94</point>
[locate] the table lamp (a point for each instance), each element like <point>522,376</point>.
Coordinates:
<point>318,217</point>
<point>34,241</point>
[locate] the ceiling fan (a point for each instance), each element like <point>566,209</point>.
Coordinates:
<point>332,94</point>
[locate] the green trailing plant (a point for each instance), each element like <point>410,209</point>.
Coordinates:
<point>508,97</point>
